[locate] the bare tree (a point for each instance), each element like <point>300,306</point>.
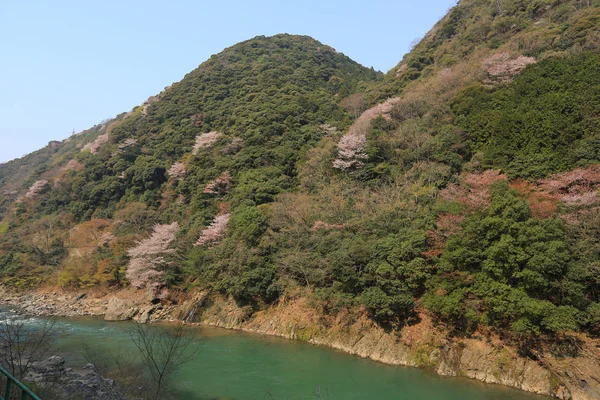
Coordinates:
<point>355,104</point>
<point>22,345</point>
<point>163,352</point>
<point>122,367</point>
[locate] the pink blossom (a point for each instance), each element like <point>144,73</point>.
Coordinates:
<point>500,67</point>
<point>73,165</point>
<point>142,272</point>
<point>205,140</point>
<point>148,256</point>
<point>580,199</point>
<point>215,231</point>
<point>94,146</point>
<point>36,188</point>
<point>352,145</point>
<point>220,185</point>
<point>177,171</point>
<point>575,188</point>
<point>127,143</point>
<point>158,243</point>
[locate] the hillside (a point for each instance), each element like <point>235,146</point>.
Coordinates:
<point>242,119</point>
<point>459,193</point>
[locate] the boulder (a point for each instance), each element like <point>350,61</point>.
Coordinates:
<point>119,310</point>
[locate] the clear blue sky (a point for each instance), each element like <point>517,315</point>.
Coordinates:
<point>67,65</point>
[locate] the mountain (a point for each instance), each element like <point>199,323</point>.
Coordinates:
<point>245,116</point>
<point>453,201</point>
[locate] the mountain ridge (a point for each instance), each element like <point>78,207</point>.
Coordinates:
<point>461,188</point>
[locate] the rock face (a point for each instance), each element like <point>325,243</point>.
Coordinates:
<point>86,383</point>
<point>420,345</point>
<point>120,310</point>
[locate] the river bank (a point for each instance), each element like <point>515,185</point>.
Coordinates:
<point>421,345</point>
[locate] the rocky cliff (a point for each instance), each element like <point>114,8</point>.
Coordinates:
<point>482,357</point>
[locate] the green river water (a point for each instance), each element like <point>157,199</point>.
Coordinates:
<point>236,365</point>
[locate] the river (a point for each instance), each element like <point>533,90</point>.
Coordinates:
<point>236,365</point>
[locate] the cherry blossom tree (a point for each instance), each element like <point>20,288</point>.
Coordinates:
<point>149,257</point>
<point>73,165</point>
<point>351,147</point>
<point>94,146</point>
<point>215,231</point>
<point>36,188</point>
<point>501,67</point>
<point>578,187</point>
<point>220,185</point>
<point>127,143</point>
<point>177,171</point>
<point>205,140</point>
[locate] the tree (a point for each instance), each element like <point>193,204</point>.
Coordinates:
<point>135,217</point>
<point>355,104</point>
<point>163,352</point>
<point>46,241</point>
<point>147,265</point>
<point>508,270</point>
<point>22,344</point>
<point>215,231</point>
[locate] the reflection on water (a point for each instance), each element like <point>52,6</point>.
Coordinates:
<point>234,365</point>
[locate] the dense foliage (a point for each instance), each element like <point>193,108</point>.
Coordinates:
<point>548,120</point>
<point>265,174</point>
<point>510,270</point>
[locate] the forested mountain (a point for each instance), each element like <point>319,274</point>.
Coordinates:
<point>463,184</point>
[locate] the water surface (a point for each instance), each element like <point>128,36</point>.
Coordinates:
<point>235,365</point>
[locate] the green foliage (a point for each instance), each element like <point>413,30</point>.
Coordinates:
<point>384,307</point>
<point>261,185</point>
<point>247,224</point>
<point>509,270</point>
<point>544,122</point>
<point>371,239</point>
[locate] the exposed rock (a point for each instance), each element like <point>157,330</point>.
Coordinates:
<point>119,310</point>
<point>86,383</point>
<point>81,296</point>
<point>144,315</point>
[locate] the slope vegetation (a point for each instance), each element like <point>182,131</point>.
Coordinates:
<point>461,188</point>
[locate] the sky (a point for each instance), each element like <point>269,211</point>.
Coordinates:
<point>67,65</point>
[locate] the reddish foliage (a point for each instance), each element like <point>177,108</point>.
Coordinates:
<point>474,190</point>
<point>575,188</point>
<point>541,204</point>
